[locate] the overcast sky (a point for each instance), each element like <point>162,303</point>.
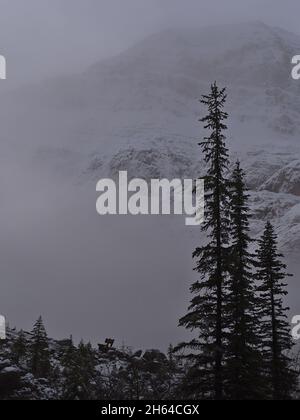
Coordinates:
<point>42,38</point>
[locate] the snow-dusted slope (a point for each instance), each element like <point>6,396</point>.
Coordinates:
<point>150,91</point>
<point>139,110</point>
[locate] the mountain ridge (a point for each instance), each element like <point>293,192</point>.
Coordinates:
<point>139,111</point>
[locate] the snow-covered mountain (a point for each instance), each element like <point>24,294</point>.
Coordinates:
<point>139,112</point>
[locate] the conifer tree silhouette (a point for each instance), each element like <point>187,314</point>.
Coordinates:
<point>243,357</point>
<point>206,312</point>
<point>276,330</point>
<point>40,356</point>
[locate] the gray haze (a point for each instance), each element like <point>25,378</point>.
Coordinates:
<point>89,277</point>
<point>43,38</point>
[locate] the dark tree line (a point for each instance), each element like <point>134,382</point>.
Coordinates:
<point>34,367</point>
<point>243,339</point>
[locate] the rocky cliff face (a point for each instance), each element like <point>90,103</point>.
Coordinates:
<point>138,111</point>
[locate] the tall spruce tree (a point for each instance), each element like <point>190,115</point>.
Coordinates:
<point>277,339</point>
<point>206,312</point>
<point>243,357</point>
<point>40,355</point>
